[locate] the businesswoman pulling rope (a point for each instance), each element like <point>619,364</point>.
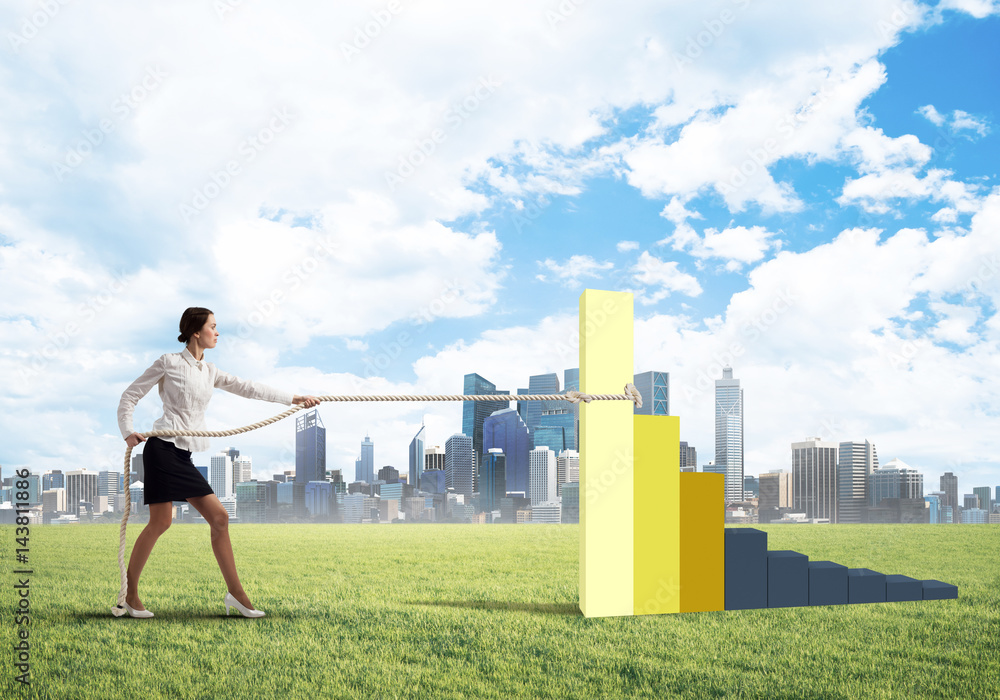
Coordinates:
<point>186,382</point>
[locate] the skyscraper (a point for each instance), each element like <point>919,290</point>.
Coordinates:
<point>949,485</point>
<point>571,502</point>
<point>251,501</point>
<point>506,430</point>
<point>108,485</point>
<point>458,464</point>
<point>364,467</point>
<point>137,468</point>
<point>541,384</point>
<point>81,485</point>
<point>688,458</point>
<point>242,468</point>
<point>855,463</point>
<point>655,390</point>
<point>492,480</point>
<point>567,468</point>
<point>220,475</point>
<point>475,413</point>
<point>896,479</point>
<point>55,479</point>
<point>417,457</point>
<point>775,490</point>
<point>542,475</point>
<point>984,497</point>
<point>729,433</point>
<point>310,448</point>
<point>814,478</point>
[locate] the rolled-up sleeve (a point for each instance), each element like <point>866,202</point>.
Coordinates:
<point>250,389</point>
<point>135,391</point>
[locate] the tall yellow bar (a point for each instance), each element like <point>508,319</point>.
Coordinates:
<point>606,510</point>
<point>657,538</point>
<point>703,554</point>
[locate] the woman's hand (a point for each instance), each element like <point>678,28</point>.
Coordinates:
<point>134,439</point>
<point>307,401</point>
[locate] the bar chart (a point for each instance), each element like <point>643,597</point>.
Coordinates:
<point>652,539</point>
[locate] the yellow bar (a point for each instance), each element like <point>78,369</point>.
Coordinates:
<point>657,548</point>
<point>606,575</point>
<point>703,557</point>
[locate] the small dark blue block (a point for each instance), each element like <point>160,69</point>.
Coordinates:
<point>899,588</point>
<point>787,579</point>
<point>827,583</point>
<point>865,586</point>
<point>938,590</point>
<point>746,568</point>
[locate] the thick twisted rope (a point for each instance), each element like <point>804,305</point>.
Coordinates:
<point>631,394</point>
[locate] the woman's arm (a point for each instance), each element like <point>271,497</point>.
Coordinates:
<point>256,390</point>
<point>130,397</point>
<point>252,390</point>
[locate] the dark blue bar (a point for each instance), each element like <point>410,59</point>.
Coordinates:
<point>899,588</point>
<point>746,568</point>
<point>827,583</point>
<point>787,579</point>
<point>938,590</point>
<point>865,586</point>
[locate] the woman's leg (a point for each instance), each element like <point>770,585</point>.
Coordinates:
<point>160,515</point>
<point>218,519</point>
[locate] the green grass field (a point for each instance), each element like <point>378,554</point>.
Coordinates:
<point>466,611</point>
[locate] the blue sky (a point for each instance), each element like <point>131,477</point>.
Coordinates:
<point>809,192</point>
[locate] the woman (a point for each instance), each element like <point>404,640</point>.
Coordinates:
<point>186,382</point>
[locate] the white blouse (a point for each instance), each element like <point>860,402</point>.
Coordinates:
<point>186,386</point>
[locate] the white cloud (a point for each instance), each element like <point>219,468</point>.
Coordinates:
<point>963,121</point>
<point>976,8</point>
<point>664,276</point>
<point>876,191</point>
<point>572,271</point>
<point>957,122</point>
<point>945,215</point>
<point>360,271</point>
<point>955,323</point>
<point>625,246</point>
<point>873,151</point>
<point>931,114</point>
<point>737,245</point>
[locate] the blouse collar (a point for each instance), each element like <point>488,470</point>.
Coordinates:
<point>186,354</point>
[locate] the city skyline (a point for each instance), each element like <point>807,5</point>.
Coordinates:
<point>310,422</point>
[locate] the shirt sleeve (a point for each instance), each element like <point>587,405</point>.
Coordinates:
<point>136,390</point>
<point>250,389</point>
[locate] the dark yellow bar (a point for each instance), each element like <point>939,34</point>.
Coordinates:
<point>657,515</point>
<point>702,549</point>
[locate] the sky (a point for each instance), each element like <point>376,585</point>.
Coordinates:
<point>381,197</point>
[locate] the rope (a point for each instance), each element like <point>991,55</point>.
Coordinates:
<point>631,394</point>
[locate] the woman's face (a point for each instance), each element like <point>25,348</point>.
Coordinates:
<point>208,336</point>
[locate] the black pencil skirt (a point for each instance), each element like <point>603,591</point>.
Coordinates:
<point>170,475</point>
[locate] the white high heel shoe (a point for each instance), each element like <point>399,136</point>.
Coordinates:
<point>136,613</point>
<point>230,601</point>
